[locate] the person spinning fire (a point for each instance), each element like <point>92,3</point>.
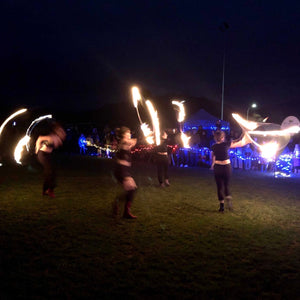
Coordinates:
<point>44,146</point>
<point>123,170</point>
<point>222,167</point>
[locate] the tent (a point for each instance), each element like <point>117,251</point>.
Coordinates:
<point>204,119</point>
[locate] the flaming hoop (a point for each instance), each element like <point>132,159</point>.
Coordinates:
<point>11,117</point>
<point>24,141</point>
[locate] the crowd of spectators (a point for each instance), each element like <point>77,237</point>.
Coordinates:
<point>104,144</point>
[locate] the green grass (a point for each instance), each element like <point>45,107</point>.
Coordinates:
<point>180,247</point>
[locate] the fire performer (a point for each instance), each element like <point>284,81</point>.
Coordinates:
<point>123,170</point>
<point>162,161</point>
<point>222,167</point>
<point>44,146</point>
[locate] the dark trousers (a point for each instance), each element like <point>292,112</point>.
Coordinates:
<point>45,159</point>
<point>222,177</point>
<point>162,163</point>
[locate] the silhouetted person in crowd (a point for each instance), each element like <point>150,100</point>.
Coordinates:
<point>202,136</point>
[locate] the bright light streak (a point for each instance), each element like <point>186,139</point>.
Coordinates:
<point>25,140</point>
<point>283,132</point>
<point>249,125</point>
<point>148,133</point>
<point>11,117</point>
<point>33,124</point>
<point>20,147</point>
<point>155,121</point>
<point>181,110</point>
<point>269,150</point>
<point>136,96</point>
<point>265,119</point>
<point>185,140</point>
<point>181,116</point>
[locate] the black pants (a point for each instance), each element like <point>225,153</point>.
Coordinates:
<point>222,177</point>
<point>162,163</point>
<point>45,159</point>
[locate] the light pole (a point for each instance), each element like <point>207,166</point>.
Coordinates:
<point>223,27</point>
<point>253,105</point>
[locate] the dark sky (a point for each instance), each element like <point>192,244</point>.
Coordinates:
<point>86,53</point>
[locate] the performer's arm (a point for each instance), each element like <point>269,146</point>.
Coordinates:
<point>213,159</point>
<point>241,142</point>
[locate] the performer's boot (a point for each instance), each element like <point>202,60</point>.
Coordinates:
<point>127,212</point>
<point>228,200</point>
<point>128,203</point>
<point>221,209</point>
<point>51,193</point>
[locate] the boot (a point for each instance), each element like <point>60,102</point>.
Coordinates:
<point>229,202</point>
<point>51,193</point>
<point>127,213</point>
<point>221,209</point>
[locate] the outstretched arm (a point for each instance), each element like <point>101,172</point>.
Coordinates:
<point>213,159</point>
<point>242,142</point>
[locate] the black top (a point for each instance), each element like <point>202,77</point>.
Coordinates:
<point>221,150</point>
<point>123,154</point>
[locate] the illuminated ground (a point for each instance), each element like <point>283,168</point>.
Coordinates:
<point>180,247</point>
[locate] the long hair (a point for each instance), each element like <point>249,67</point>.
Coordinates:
<point>120,132</point>
<point>219,135</point>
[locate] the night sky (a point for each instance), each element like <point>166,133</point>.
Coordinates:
<point>83,54</point>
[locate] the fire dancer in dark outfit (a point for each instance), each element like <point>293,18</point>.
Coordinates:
<point>44,146</point>
<point>162,162</point>
<point>222,167</point>
<point>123,170</point>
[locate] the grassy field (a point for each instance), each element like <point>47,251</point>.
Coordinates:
<point>180,247</point>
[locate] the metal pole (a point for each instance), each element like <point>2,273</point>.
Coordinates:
<point>223,27</point>
<point>223,83</point>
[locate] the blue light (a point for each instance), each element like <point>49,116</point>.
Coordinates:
<point>284,165</point>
